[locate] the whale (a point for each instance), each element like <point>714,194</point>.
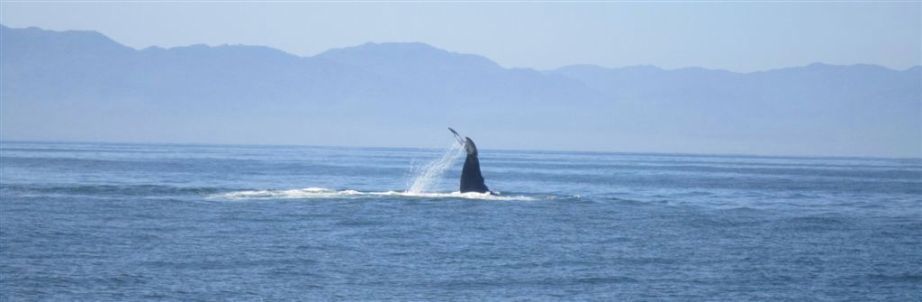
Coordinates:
<point>471,178</point>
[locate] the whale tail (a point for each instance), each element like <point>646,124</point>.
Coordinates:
<point>471,178</point>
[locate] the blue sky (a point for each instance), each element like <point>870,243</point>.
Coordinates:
<point>736,36</point>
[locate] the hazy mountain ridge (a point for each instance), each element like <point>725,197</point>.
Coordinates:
<point>392,94</point>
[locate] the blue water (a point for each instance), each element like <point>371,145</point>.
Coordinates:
<point>119,222</point>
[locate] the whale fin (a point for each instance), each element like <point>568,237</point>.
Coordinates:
<point>457,136</point>
<point>471,177</point>
<point>469,146</point>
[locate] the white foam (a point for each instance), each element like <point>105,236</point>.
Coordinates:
<point>427,177</point>
<point>322,193</point>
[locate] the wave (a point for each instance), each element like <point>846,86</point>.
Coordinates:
<point>323,193</point>
<point>108,189</point>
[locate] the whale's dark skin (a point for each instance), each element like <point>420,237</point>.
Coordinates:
<point>471,178</point>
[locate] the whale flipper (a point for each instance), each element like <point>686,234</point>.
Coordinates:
<point>471,178</point>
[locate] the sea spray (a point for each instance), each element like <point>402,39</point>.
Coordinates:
<point>431,173</point>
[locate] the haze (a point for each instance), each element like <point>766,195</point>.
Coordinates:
<point>744,78</point>
<point>733,36</point>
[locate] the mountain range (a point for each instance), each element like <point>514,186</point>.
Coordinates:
<point>83,86</point>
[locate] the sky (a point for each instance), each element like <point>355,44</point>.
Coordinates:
<point>736,36</point>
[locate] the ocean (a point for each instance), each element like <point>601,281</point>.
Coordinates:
<point>125,222</point>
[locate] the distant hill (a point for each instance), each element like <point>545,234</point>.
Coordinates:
<point>80,85</point>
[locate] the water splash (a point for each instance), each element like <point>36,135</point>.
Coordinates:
<point>431,173</point>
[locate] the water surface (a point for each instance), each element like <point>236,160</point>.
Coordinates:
<point>117,222</point>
